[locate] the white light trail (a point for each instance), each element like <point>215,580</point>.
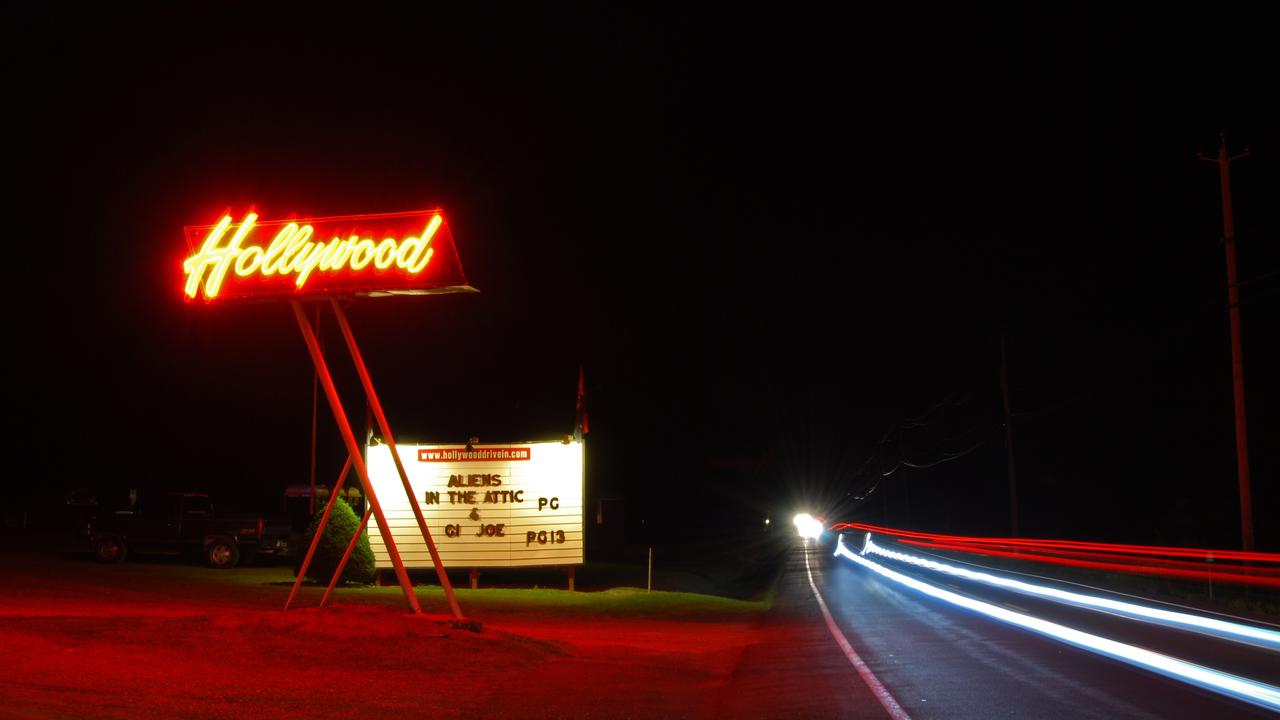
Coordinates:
<point>1250,691</point>
<point>1259,637</point>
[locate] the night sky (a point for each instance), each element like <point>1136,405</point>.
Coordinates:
<point>784,247</point>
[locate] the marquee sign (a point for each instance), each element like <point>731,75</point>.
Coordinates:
<point>409,253</point>
<point>513,505</point>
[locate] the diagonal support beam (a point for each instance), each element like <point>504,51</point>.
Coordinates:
<point>390,440</point>
<point>315,539</point>
<point>353,451</point>
<point>351,546</point>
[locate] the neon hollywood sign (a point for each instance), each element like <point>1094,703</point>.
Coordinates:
<point>409,253</point>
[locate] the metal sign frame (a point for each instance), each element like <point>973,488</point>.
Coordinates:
<point>356,460</point>
<point>401,265</point>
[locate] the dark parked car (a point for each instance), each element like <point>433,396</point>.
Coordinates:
<point>185,523</point>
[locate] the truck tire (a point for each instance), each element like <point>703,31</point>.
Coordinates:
<point>110,549</point>
<point>222,554</point>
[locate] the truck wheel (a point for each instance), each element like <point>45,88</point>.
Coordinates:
<point>110,549</point>
<point>222,554</point>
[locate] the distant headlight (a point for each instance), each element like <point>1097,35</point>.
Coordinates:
<point>807,526</point>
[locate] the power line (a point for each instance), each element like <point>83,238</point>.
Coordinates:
<point>896,431</point>
<point>953,456</point>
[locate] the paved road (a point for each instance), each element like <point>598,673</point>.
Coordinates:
<point>941,661</point>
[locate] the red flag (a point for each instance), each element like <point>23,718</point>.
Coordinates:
<point>580,427</point>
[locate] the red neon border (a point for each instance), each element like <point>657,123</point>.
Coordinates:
<point>444,274</point>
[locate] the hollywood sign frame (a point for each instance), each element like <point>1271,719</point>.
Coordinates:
<point>324,259</point>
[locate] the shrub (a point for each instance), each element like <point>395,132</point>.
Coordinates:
<point>343,522</point>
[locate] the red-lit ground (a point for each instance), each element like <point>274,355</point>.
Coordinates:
<point>82,640</point>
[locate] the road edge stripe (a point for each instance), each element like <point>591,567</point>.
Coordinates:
<point>877,688</point>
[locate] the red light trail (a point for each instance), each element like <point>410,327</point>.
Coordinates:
<point>1248,578</point>
<point>1137,559</point>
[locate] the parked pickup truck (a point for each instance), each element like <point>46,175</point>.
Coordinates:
<point>185,523</point>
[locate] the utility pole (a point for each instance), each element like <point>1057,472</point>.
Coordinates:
<point>1237,362</point>
<point>1008,438</point>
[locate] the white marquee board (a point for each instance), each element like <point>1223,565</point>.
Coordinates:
<point>510,505</point>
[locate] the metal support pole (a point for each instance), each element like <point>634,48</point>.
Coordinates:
<point>315,539</point>
<point>390,441</point>
<point>649,585</point>
<point>353,451</point>
<point>342,565</point>
<point>571,583</point>
<point>315,406</point>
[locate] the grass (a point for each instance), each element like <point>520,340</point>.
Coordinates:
<point>699,585</point>
<point>519,591</point>
<point>616,602</point>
